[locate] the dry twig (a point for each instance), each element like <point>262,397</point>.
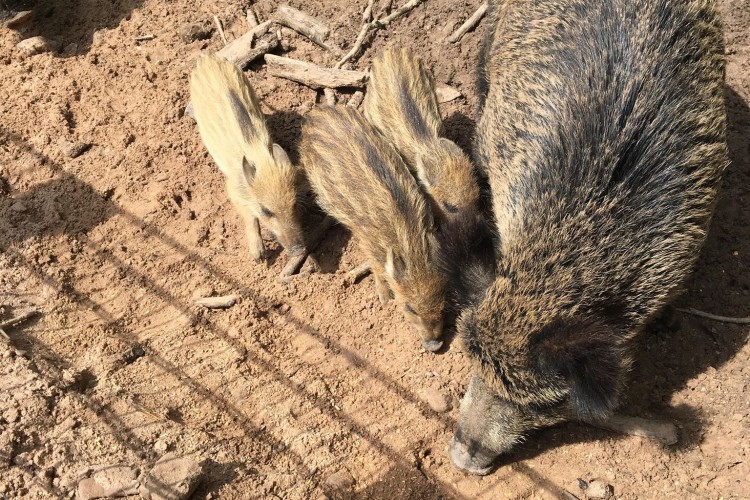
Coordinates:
<point>313,76</point>
<point>145,38</point>
<point>221,30</point>
<point>714,317</point>
<point>664,432</point>
<point>216,302</point>
<point>252,18</point>
<point>358,272</point>
<point>367,14</point>
<point>374,25</point>
<point>19,319</point>
<point>305,25</point>
<point>469,24</point>
<point>242,50</point>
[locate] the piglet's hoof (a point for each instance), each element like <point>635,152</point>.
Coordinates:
<point>432,345</point>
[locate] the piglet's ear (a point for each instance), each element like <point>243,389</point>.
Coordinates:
<point>280,156</point>
<point>248,169</point>
<point>422,174</point>
<point>590,357</point>
<point>394,266</point>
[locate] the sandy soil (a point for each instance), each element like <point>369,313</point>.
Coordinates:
<point>294,383</point>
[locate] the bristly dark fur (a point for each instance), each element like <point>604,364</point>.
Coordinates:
<point>603,137</point>
<point>467,258</point>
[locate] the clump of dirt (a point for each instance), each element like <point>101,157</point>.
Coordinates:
<point>113,218</point>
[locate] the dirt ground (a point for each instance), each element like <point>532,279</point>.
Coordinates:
<point>295,383</point>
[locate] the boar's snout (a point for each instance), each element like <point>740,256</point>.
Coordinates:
<point>470,456</point>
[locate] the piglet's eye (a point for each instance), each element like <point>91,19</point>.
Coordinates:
<point>266,212</point>
<point>409,309</point>
<point>450,208</point>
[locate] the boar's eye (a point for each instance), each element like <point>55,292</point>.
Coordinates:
<point>266,212</point>
<point>450,208</point>
<point>409,309</point>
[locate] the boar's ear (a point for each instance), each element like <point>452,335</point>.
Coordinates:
<point>280,156</point>
<point>422,175</point>
<point>394,266</point>
<point>591,358</point>
<point>248,169</point>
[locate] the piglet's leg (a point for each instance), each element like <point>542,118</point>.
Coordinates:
<point>382,289</point>
<point>252,231</point>
<point>297,259</point>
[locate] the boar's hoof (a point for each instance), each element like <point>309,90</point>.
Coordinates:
<point>432,345</point>
<point>465,460</point>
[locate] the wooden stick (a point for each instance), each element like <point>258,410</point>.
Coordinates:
<point>358,272</point>
<point>242,51</point>
<point>313,240</point>
<point>313,76</point>
<point>723,319</point>
<point>221,29</point>
<point>304,24</point>
<point>330,96</point>
<point>216,302</point>
<point>469,24</point>
<point>19,319</point>
<point>374,25</point>
<point>356,99</point>
<point>252,18</point>
<point>145,38</point>
<point>367,14</point>
<point>664,432</point>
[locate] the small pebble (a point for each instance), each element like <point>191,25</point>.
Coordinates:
<point>109,482</point>
<point>21,18</point>
<point>599,490</point>
<point>172,478</point>
<point>436,400</point>
<point>340,481</point>
<point>446,93</point>
<point>18,207</point>
<point>76,149</point>
<point>35,45</point>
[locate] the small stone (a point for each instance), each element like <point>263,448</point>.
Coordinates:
<point>222,302</point>
<point>189,111</point>
<point>446,93</point>
<point>340,481</point>
<point>190,32</point>
<point>76,149</point>
<point>6,449</point>
<point>35,45</point>
<point>161,446</point>
<point>599,490</point>
<point>284,308</point>
<point>436,400</point>
<point>18,207</point>
<point>11,415</point>
<point>22,17</point>
<point>172,478</point>
<point>117,481</point>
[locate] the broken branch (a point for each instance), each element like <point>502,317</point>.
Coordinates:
<point>242,51</point>
<point>330,96</point>
<point>313,76</point>
<point>723,319</point>
<point>374,25</point>
<point>221,30</point>
<point>305,25</point>
<point>469,24</point>
<point>367,14</point>
<point>358,272</point>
